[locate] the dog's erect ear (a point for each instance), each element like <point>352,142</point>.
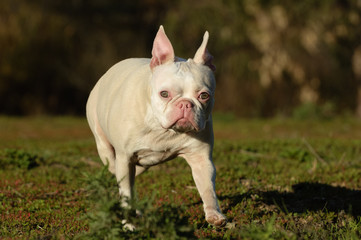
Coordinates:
<point>162,51</point>
<point>202,55</point>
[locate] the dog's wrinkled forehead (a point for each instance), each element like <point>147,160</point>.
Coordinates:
<point>184,73</point>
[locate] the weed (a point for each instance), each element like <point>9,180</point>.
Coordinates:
<point>313,111</point>
<point>110,220</point>
<point>19,159</point>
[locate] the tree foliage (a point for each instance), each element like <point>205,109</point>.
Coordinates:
<point>271,56</point>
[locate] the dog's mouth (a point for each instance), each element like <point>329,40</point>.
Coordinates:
<point>183,125</point>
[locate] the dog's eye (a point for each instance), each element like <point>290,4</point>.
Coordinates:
<point>204,96</point>
<point>164,94</point>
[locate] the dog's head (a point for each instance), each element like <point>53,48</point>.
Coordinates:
<point>182,92</point>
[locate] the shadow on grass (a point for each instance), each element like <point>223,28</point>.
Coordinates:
<point>308,197</point>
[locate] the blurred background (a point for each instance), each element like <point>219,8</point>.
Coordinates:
<point>273,58</point>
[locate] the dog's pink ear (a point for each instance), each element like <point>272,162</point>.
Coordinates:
<point>202,55</point>
<point>162,51</point>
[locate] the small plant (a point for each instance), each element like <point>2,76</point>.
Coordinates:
<point>296,153</point>
<point>314,111</point>
<point>110,220</point>
<point>19,159</point>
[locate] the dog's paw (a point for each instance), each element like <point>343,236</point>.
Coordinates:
<point>216,218</point>
<point>128,226</point>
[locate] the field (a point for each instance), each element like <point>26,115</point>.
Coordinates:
<point>276,179</point>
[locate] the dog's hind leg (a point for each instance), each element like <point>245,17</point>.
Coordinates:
<point>105,149</point>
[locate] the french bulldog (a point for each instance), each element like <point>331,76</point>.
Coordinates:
<point>143,112</point>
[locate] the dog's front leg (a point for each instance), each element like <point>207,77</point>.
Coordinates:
<point>204,175</point>
<point>125,174</point>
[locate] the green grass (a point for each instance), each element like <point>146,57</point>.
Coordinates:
<point>276,179</point>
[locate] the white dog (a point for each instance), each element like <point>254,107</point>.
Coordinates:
<point>143,112</point>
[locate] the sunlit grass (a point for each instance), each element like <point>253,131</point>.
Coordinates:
<point>277,178</point>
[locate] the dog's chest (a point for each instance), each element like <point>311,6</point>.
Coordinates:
<point>155,148</point>
<point>149,157</point>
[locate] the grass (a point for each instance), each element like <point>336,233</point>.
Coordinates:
<point>276,179</point>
